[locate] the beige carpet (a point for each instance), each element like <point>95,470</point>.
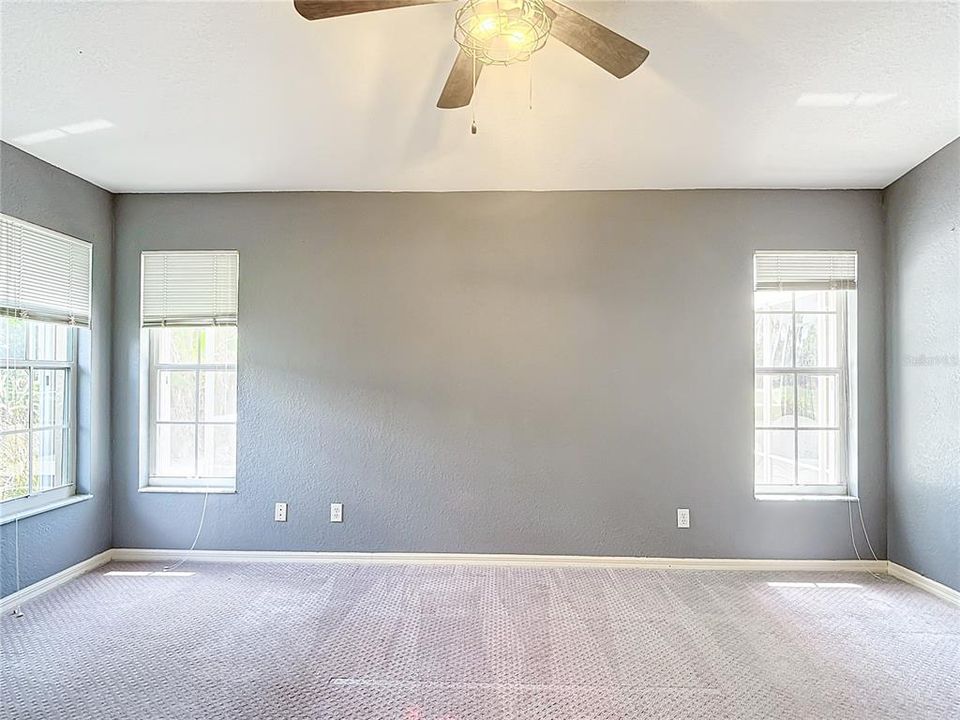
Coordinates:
<point>407,642</point>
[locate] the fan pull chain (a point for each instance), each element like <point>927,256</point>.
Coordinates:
<point>473,99</point>
<point>530,74</point>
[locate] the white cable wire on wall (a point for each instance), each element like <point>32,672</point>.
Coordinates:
<point>203,515</point>
<point>865,534</point>
<point>17,612</point>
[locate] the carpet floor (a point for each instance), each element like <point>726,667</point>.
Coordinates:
<point>417,642</point>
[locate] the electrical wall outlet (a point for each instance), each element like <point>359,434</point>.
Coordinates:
<point>683,517</point>
<point>280,512</point>
<point>336,512</point>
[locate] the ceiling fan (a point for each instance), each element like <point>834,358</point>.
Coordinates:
<point>502,32</point>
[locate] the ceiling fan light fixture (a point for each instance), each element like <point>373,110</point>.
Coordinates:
<point>502,32</point>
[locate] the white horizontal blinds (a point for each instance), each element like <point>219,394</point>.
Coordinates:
<point>805,270</point>
<point>44,275</point>
<point>189,288</point>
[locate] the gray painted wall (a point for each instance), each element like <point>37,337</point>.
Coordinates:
<point>922,212</point>
<point>40,193</point>
<point>499,372</point>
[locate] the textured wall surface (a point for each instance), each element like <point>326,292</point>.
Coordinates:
<point>923,354</point>
<point>40,193</point>
<point>498,372</point>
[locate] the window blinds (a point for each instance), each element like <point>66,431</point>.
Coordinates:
<point>805,270</point>
<point>44,275</point>
<point>188,288</point>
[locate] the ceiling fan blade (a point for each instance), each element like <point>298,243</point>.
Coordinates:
<point>597,43</point>
<point>458,90</point>
<point>322,9</point>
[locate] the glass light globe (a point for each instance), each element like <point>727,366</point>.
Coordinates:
<point>502,32</point>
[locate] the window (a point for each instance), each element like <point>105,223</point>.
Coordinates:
<point>44,300</point>
<point>193,406</point>
<point>37,412</point>
<point>189,346</point>
<point>804,345</point>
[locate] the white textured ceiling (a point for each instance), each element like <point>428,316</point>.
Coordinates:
<point>182,96</point>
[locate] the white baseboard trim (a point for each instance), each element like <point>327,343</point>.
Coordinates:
<point>13,600</point>
<point>942,591</point>
<point>9,602</point>
<point>135,554</point>
<point>933,587</point>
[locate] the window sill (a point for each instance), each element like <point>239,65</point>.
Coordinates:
<point>815,498</point>
<point>188,490</point>
<point>72,500</point>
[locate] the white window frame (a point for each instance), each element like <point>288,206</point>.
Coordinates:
<point>36,500</point>
<point>155,482</point>
<point>845,373</point>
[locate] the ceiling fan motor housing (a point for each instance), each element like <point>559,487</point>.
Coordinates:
<point>502,32</point>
